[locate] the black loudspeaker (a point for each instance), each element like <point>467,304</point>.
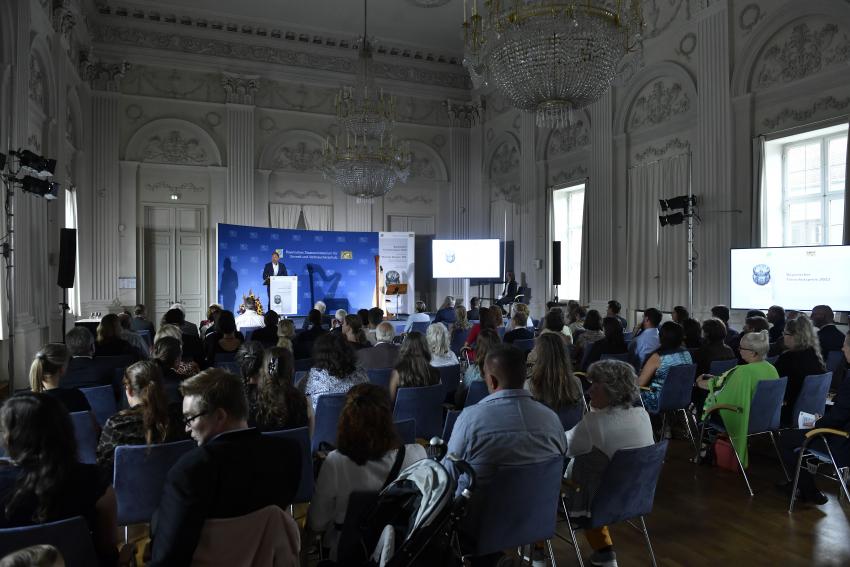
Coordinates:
<point>556,262</point>
<point>67,257</point>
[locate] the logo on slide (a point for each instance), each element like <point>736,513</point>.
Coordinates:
<point>346,255</point>
<point>761,274</point>
<point>450,256</point>
<point>276,300</point>
<point>393,277</point>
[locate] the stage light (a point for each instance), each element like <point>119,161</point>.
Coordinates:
<point>41,187</point>
<point>683,202</point>
<point>34,164</point>
<point>675,218</point>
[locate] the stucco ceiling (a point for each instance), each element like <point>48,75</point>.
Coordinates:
<point>396,21</point>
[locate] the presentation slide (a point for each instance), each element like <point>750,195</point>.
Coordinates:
<point>795,278</point>
<point>466,258</point>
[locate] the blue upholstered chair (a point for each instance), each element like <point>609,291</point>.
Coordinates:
<point>449,424</point>
<point>571,415</point>
<point>232,367</point>
<point>450,378</point>
<point>71,537</point>
<point>420,326</point>
<point>406,430</point>
<point>225,357</point>
<point>675,396</point>
<point>102,402</point>
<point>328,409</point>
<point>525,345</point>
<point>423,404</point>
<point>812,397</point>
<point>300,435</point>
<point>477,392</point>
<point>247,332</point>
<point>303,364</point>
<point>380,376</point>
<point>718,367</point>
<point>85,432</point>
<point>458,340</point>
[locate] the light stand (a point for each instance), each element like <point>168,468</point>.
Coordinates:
<point>686,203</point>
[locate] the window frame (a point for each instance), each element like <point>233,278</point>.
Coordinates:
<point>571,189</point>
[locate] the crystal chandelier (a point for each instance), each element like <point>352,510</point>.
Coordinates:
<point>547,56</point>
<point>365,160</point>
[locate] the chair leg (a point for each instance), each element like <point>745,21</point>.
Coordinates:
<point>837,470</point>
<point>575,542</point>
<point>743,471</point>
<point>688,427</point>
<point>551,553</point>
<point>699,442</point>
<point>796,478</point>
<point>648,542</point>
<point>779,455</point>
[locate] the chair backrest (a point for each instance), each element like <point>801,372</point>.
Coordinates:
<point>525,345</point>
<point>571,415</point>
<point>629,480</point>
<point>450,377</point>
<point>449,424</point>
<point>834,360</point>
<point>85,432</point>
<point>420,326</point>
<point>458,340</point>
<point>772,359</point>
<point>406,430</point>
<point>102,402</point>
<point>328,409</point>
<point>380,376</point>
<point>247,332</point>
<point>146,336</point>
<point>232,367</point>
<point>678,387</point>
<point>300,435</point>
<point>527,494</point>
<point>225,357</point>
<point>139,476</point>
<point>625,357</point>
<point>628,335</point>
<point>303,364</point>
<point>501,331</point>
<point>812,397</point>
<point>477,392</point>
<point>718,367</point>
<point>299,376</point>
<point>71,537</point>
<point>425,405</point>
<point>766,406</point>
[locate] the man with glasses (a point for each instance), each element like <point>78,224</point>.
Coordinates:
<point>235,470</point>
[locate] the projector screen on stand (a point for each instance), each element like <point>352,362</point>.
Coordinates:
<point>466,258</point>
<point>797,277</point>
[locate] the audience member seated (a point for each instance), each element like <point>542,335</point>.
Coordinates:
<point>713,346</point>
<point>527,431</point>
<point>828,334</point>
<point>722,312</point>
<point>519,330</point>
<point>550,379</point>
<point>82,371</point>
<point>473,313</point>
<point>234,471</point>
<point>750,324</point>
<point>776,318</point>
<point>249,357</point>
<point>384,354</point>
<point>249,316</point>
<point>413,369</point>
<point>802,357</point>
<point>44,482</point>
<point>376,317</point>
<point>267,334</point>
<point>488,339</point>
<point>285,333</point>
<point>193,347</point>
<point>680,314</point>
<point>646,342</point>
<point>670,353</point>
<point>612,343</point>
<point>736,387</point>
<point>321,307</point>
<point>139,322</point>
<point>461,323</point>
<point>554,322</point>
<point>46,372</point>
<point>614,309</point>
<point>612,424</point>
<point>592,332</point>
<point>352,331</point>
<point>369,455</point>
<point>363,315</point>
<point>575,321</point>
<point>338,321</point>
<point>135,340</point>
<point>166,355</point>
<point>419,317</point>
<point>446,312</point>
<point>515,309</point>
<point>149,420</point>
<point>186,327</point>
<point>439,346</point>
<point>335,369</point>
<point>183,368</point>
<point>42,555</point>
<point>109,341</point>
<point>838,417</point>
<point>226,339</point>
<point>303,343</point>
<point>280,405</point>
<point>489,319</point>
<point>692,333</point>
<point>208,324</point>
<point>509,292</point>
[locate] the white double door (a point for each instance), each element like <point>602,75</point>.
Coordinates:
<point>175,260</point>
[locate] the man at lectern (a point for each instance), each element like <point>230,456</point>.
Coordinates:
<point>273,268</point>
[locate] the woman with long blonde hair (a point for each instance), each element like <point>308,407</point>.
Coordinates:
<point>285,333</point>
<point>551,379</point>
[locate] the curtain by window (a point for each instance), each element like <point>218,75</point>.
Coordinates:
<point>284,216</point>
<point>318,217</point>
<point>756,208</point>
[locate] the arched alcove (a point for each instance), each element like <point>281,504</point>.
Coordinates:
<point>427,165</point>
<point>172,141</point>
<point>660,93</point>
<point>296,151</point>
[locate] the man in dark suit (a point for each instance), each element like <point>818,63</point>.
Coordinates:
<point>384,354</point>
<point>268,334</point>
<point>830,337</point>
<point>139,322</point>
<point>234,470</point>
<point>273,268</point>
<point>474,314</point>
<point>302,345</point>
<point>83,370</point>
<point>510,291</point>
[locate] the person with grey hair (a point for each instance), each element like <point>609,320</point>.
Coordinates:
<point>613,423</point>
<point>82,372</point>
<point>802,357</point>
<point>446,312</point>
<point>384,354</point>
<point>419,317</point>
<point>438,343</point>
<point>736,386</point>
<point>338,321</point>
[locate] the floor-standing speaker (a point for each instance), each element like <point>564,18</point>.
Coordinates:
<point>67,257</point>
<point>556,262</point>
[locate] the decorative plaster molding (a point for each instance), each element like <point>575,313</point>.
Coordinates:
<point>687,46</point>
<point>70,126</point>
<point>505,160</point>
<point>302,196</point>
<point>171,83</point>
<point>34,142</point>
<point>36,82</point>
<point>173,148</point>
<point>820,105</point>
<point>240,89</point>
<point>653,151</point>
<point>799,51</point>
<point>658,103</point>
<point>749,17</point>
<point>64,19</point>
<point>164,186</point>
<point>659,15</point>
<point>300,159</point>
<point>564,140</point>
<point>495,104</point>
<point>510,192</point>
<point>262,53</point>
<point>464,114</point>
<point>102,76</point>
<point>422,167</point>
<point>396,198</point>
<point>571,175</point>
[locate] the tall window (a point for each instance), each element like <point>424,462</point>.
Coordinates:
<point>804,187</point>
<point>567,215</point>
<point>71,222</point>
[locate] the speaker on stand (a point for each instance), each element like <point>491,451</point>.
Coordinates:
<point>556,266</point>
<point>67,267</point>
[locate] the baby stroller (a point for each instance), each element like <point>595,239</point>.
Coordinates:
<point>414,519</point>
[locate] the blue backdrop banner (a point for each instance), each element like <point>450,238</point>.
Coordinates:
<point>340,265</point>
